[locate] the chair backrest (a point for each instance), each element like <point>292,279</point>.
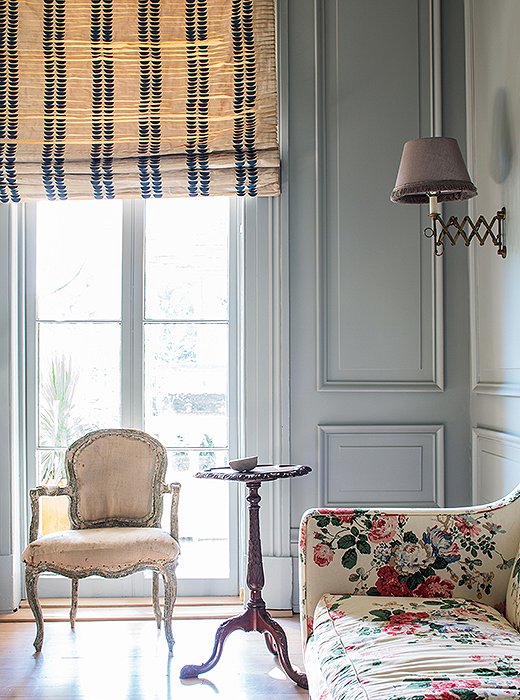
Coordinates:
<point>116,479</point>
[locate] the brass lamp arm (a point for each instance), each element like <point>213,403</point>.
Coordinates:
<point>440,231</point>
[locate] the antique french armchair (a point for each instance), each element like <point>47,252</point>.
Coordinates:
<point>115,488</point>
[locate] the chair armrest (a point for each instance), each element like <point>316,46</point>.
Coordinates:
<point>174,489</point>
<point>35,495</point>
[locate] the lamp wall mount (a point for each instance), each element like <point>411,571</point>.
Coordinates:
<point>432,170</point>
<point>452,230</point>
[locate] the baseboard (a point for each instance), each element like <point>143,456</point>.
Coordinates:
<point>8,600</point>
<point>103,609</point>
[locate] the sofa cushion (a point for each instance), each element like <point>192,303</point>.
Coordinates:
<point>109,549</point>
<point>317,683</point>
<point>366,647</point>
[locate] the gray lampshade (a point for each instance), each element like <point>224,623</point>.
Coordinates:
<point>432,166</point>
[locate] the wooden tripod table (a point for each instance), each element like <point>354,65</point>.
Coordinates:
<point>255,616</point>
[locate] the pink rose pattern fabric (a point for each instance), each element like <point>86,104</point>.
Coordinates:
<point>405,562</point>
<point>513,595</point>
<point>429,553</point>
<point>392,554</point>
<point>323,554</point>
<point>411,649</point>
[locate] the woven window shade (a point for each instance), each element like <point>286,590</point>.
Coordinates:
<point>137,98</point>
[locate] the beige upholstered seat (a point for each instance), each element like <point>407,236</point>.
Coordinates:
<point>115,486</point>
<point>113,549</point>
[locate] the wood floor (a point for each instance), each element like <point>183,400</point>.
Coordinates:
<point>128,660</point>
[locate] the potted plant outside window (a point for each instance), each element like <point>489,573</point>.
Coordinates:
<point>207,458</point>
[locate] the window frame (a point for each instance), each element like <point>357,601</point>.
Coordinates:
<point>132,382</point>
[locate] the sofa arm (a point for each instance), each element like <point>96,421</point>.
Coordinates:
<point>426,552</point>
<point>35,495</point>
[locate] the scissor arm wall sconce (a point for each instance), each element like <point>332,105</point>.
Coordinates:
<point>432,170</point>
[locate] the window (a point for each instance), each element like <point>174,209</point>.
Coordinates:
<point>131,323</point>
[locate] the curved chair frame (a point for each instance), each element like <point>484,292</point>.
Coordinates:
<point>153,519</point>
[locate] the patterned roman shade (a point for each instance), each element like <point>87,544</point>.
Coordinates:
<point>137,98</point>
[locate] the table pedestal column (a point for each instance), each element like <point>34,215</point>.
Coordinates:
<point>255,617</point>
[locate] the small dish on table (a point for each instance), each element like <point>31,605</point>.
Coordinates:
<point>246,464</point>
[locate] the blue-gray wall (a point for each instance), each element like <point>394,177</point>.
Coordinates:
<point>379,331</point>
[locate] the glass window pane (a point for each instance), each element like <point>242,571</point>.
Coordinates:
<point>186,274</point>
<point>51,467</point>
<point>78,260</point>
<point>204,539</point>
<point>79,385</point>
<point>186,381</point>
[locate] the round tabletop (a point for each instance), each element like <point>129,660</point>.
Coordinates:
<point>263,472</point>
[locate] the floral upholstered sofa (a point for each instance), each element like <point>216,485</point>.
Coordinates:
<point>419,604</point>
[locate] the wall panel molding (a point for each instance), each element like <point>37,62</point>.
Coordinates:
<point>366,341</point>
<point>496,464</point>
<point>493,369</point>
<point>384,465</point>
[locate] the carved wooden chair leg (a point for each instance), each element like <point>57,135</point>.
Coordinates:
<point>31,583</point>
<point>170,594</point>
<point>155,598</point>
<point>74,602</point>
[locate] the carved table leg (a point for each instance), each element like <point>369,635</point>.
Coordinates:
<point>269,642</point>
<point>240,622</point>
<point>277,645</point>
